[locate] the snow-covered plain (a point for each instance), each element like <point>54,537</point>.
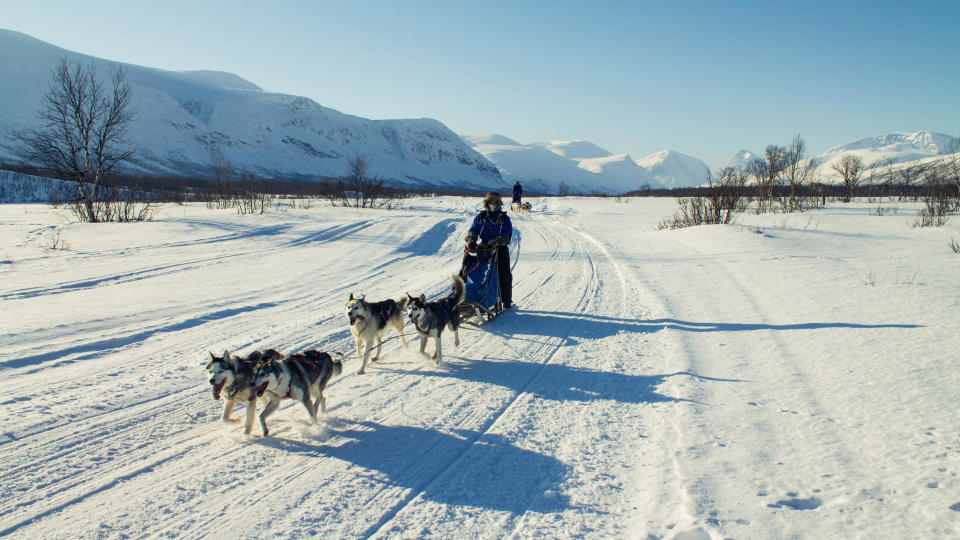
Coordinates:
<point>791,376</point>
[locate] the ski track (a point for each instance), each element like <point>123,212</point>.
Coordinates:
<point>546,353</point>
<point>123,441</point>
<point>597,392</point>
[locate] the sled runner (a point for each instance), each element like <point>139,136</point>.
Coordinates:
<point>481,302</point>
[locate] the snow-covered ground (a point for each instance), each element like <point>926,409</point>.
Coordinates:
<point>787,377</point>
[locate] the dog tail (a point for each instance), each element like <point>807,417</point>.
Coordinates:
<point>459,290</point>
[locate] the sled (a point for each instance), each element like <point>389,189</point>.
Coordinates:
<point>481,303</point>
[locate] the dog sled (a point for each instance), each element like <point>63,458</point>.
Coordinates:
<point>481,303</point>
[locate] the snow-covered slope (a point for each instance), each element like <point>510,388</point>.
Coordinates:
<point>585,167</point>
<point>183,117</point>
<point>741,159</point>
<point>575,149</point>
<point>898,148</point>
<point>673,169</point>
<point>893,147</point>
<point>538,169</point>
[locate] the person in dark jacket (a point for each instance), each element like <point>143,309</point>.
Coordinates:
<point>492,230</point>
<point>517,193</point>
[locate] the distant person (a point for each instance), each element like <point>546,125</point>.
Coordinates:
<point>517,193</point>
<point>491,230</point>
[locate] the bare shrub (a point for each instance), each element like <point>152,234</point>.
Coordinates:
<point>941,200</point>
<point>221,193</point>
<point>360,189</point>
<point>881,210</point>
<point>111,204</point>
<point>56,242</point>
<point>720,203</point>
<point>251,197</point>
<point>850,167</point>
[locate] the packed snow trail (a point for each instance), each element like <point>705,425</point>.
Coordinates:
<point>682,384</point>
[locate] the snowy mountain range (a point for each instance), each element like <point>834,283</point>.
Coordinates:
<point>183,118</point>
<point>896,148</point>
<point>584,167</point>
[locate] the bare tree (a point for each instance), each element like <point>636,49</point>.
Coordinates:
<point>81,136</point>
<point>360,189</point>
<point>798,172</point>
<point>222,192</point>
<point>850,167</point>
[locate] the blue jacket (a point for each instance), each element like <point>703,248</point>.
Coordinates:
<point>489,226</point>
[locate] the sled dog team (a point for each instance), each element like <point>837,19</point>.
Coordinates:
<point>271,376</point>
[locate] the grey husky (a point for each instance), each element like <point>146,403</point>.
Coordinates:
<point>302,376</point>
<point>230,376</point>
<point>368,322</point>
<point>430,318</point>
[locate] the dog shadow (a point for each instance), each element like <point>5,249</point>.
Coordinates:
<point>462,468</point>
<point>583,326</point>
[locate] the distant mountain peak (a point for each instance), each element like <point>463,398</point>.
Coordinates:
<point>576,149</point>
<point>491,138</point>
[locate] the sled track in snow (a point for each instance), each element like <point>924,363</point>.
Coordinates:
<point>545,354</point>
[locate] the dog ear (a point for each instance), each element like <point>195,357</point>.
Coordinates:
<point>423,298</point>
<point>408,296</point>
<point>363,297</point>
<point>351,296</point>
<point>226,355</point>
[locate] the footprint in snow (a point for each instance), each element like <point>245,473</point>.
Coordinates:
<point>811,503</point>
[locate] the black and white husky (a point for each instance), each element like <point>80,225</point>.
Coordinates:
<point>230,376</point>
<point>302,376</point>
<point>430,318</point>
<point>368,322</point>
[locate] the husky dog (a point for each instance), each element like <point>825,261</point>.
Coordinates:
<point>231,374</point>
<point>521,208</point>
<point>368,322</point>
<point>430,318</point>
<point>300,376</point>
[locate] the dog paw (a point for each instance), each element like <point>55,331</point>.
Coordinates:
<point>360,372</point>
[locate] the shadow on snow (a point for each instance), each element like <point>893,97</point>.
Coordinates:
<point>463,468</point>
<point>97,349</point>
<point>576,325</point>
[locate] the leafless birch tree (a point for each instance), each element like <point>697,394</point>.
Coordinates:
<point>81,135</point>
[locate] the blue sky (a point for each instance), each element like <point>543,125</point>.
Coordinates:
<point>705,78</point>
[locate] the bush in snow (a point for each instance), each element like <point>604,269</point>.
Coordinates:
<point>720,203</point>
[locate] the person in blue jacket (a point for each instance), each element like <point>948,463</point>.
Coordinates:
<point>517,193</point>
<point>491,230</point>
